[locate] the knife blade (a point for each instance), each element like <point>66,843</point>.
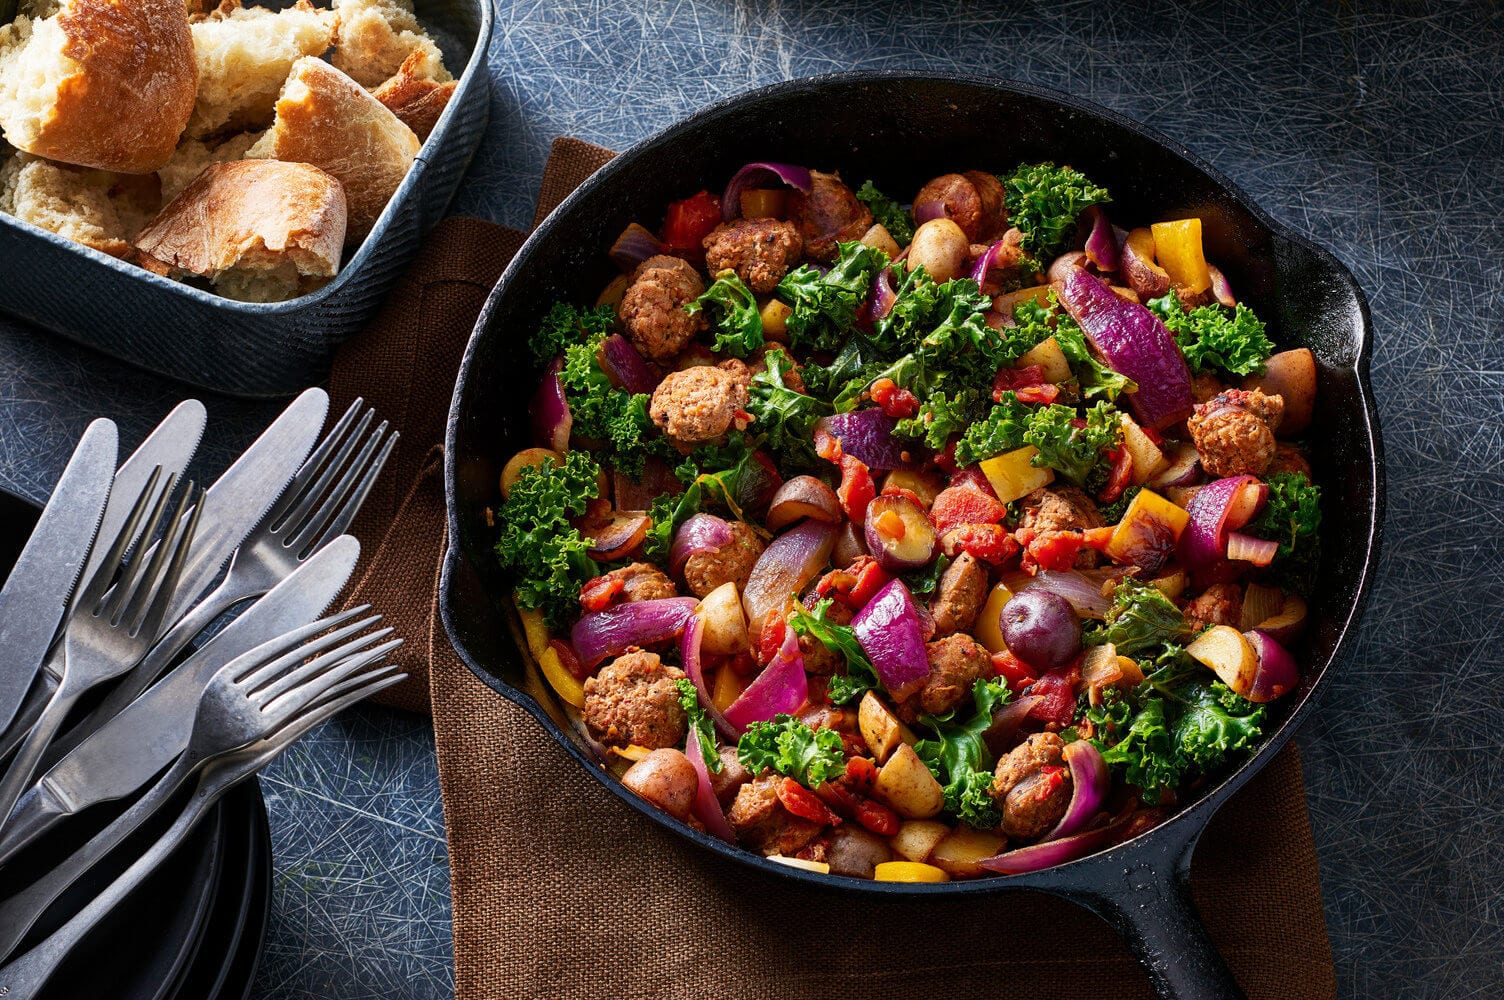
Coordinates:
<point>132,747</point>
<point>42,580</point>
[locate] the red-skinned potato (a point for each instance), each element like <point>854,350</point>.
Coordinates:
<point>899,533</point>
<point>1070,259</point>
<point>1144,276</point>
<point>855,852</point>
<point>923,485</point>
<point>665,778</point>
<point>851,545</point>
<point>618,537</point>
<point>1184,466</point>
<point>525,459</point>
<point>1289,623</point>
<point>960,850</point>
<point>916,838</point>
<point>1291,374</point>
<point>725,621</point>
<point>803,496</point>
<point>1230,656</point>
<point>940,247</point>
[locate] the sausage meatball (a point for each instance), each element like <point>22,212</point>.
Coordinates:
<point>634,700</point>
<point>652,310</point>
<point>697,406</point>
<point>1007,265</point>
<point>1032,786</point>
<point>665,778</point>
<point>732,562</point>
<point>761,822</point>
<point>1289,458</point>
<point>828,214</point>
<point>1234,431</point>
<point>960,596</point>
<point>955,664</point>
<point>973,200</point>
<point>1219,604</point>
<point>819,658</point>
<point>643,582</point>
<point>760,251</point>
<point>730,778</point>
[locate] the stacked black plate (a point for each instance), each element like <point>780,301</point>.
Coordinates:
<point>194,930</point>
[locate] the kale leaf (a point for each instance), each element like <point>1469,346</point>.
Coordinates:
<point>1037,321</point>
<point>567,325</point>
<point>719,486</point>
<point>1077,453</point>
<point>1213,336</point>
<point>860,677</point>
<point>887,213</point>
<point>701,730</point>
<point>1000,431</point>
<point>825,304</point>
<point>1214,722</point>
<point>959,758</point>
<point>785,419</point>
<point>1292,516</point>
<point>1044,202</point>
<point>1141,621</point>
<point>736,320</point>
<point>544,552</point>
<point>941,415</point>
<point>790,748</point>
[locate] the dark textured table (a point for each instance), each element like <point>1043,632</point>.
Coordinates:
<point>1379,133</point>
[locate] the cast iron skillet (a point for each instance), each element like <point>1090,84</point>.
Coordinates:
<point>900,130</point>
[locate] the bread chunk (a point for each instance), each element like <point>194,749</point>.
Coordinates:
<point>327,119</point>
<point>193,155</point>
<point>98,83</point>
<point>375,37</point>
<point>244,54</point>
<point>259,230</point>
<point>96,208</point>
<point>418,102</point>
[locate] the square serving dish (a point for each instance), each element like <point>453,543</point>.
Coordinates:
<point>252,348</point>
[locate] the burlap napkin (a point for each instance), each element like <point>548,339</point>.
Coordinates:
<point>561,891</point>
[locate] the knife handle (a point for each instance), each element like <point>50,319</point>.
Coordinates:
<point>37,812</point>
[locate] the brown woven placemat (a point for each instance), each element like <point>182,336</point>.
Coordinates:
<point>561,891</point>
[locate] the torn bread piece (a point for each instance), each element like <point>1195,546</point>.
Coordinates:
<point>416,101</point>
<point>244,54</point>
<point>193,155</point>
<point>327,119</point>
<point>107,84</point>
<point>375,38</point>
<point>259,230</point>
<point>96,208</point>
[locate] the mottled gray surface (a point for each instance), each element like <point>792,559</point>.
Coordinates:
<point>1380,134</point>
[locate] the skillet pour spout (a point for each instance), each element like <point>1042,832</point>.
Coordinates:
<point>933,124</point>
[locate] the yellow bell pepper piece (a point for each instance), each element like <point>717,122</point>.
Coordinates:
<point>1147,518</point>
<point>1051,360</point>
<point>632,752</point>
<point>909,871</point>
<point>535,630</point>
<point>564,683</point>
<point>728,687</point>
<point>809,866</point>
<point>1013,477</point>
<point>989,626</point>
<point>1177,246</point>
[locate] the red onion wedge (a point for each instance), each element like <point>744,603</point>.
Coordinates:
<point>986,263</point>
<point>1001,736</point>
<point>788,565</point>
<point>694,669</point>
<point>635,245</point>
<point>781,689</point>
<point>1277,671</point>
<point>1090,782</point>
<point>1135,343</point>
<point>700,533</point>
<point>880,301</point>
<point>549,410</point>
<point>754,174</point>
<point>867,435</point>
<point>1221,287</point>
<point>926,211</point>
<point>1102,247</point>
<point>1184,468</point>
<point>1054,852</point>
<point>1218,507</point>
<point>601,634</point>
<point>1247,548</point>
<point>626,367</point>
<point>892,635</point>
<point>1082,592</point>
<point>704,806</point>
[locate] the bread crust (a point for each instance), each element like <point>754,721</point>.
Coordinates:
<point>417,101</point>
<point>130,91</point>
<point>250,216</point>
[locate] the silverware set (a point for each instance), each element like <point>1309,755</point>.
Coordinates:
<point>116,602</point>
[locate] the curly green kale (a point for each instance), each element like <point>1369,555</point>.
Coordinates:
<point>1144,749</point>
<point>712,475</point>
<point>603,413</point>
<point>701,730</point>
<point>959,758</point>
<point>1213,723</point>
<point>922,582</point>
<point>1044,202</point>
<point>736,320</point>
<point>860,676</point>
<point>543,551</point>
<point>942,415</point>
<point>1292,516</point>
<point>785,419</point>
<point>1000,431</point>
<point>1077,453</point>
<point>1213,336</point>
<point>825,305</point>
<point>1141,621</point>
<point>790,748</point>
<point>567,325</point>
<point>887,213</point>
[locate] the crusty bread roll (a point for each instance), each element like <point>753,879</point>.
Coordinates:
<point>416,101</point>
<point>259,230</point>
<point>99,83</point>
<point>244,54</point>
<point>375,37</point>
<point>327,119</point>
<point>193,155</point>
<point>93,207</point>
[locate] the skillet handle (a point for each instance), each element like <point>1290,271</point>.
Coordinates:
<point>1150,905</point>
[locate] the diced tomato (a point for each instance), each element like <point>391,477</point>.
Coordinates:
<point>1042,394</point>
<point>895,490</point>
<point>877,817</point>
<point>1014,672</point>
<point>973,478</point>
<point>990,543</point>
<point>895,402</point>
<point>771,639</point>
<point>689,221</point>
<point>1153,435</point>
<point>805,804</point>
<point>1026,383</point>
<point>857,489</point>
<point>861,772</point>
<point>1053,550</point>
<point>568,659</point>
<point>945,458</point>
<point>1098,538</point>
<point>1057,689</point>
<point>957,505</point>
<point>1051,777</point>
<point>855,585</point>
<point>828,447</point>
<point>1121,476</point>
<point>600,593</point>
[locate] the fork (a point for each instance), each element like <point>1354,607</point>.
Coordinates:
<point>314,509</point>
<point>249,699</point>
<point>113,627</point>
<point>26,977</point>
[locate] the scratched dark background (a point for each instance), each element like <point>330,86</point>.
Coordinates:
<point>1377,131</point>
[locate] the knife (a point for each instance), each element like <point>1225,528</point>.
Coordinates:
<point>231,508</point>
<point>132,747</point>
<point>41,582</point>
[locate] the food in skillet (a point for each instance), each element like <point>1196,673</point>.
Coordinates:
<point>914,543</point>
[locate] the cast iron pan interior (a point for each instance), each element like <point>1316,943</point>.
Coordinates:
<point>901,130</point>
